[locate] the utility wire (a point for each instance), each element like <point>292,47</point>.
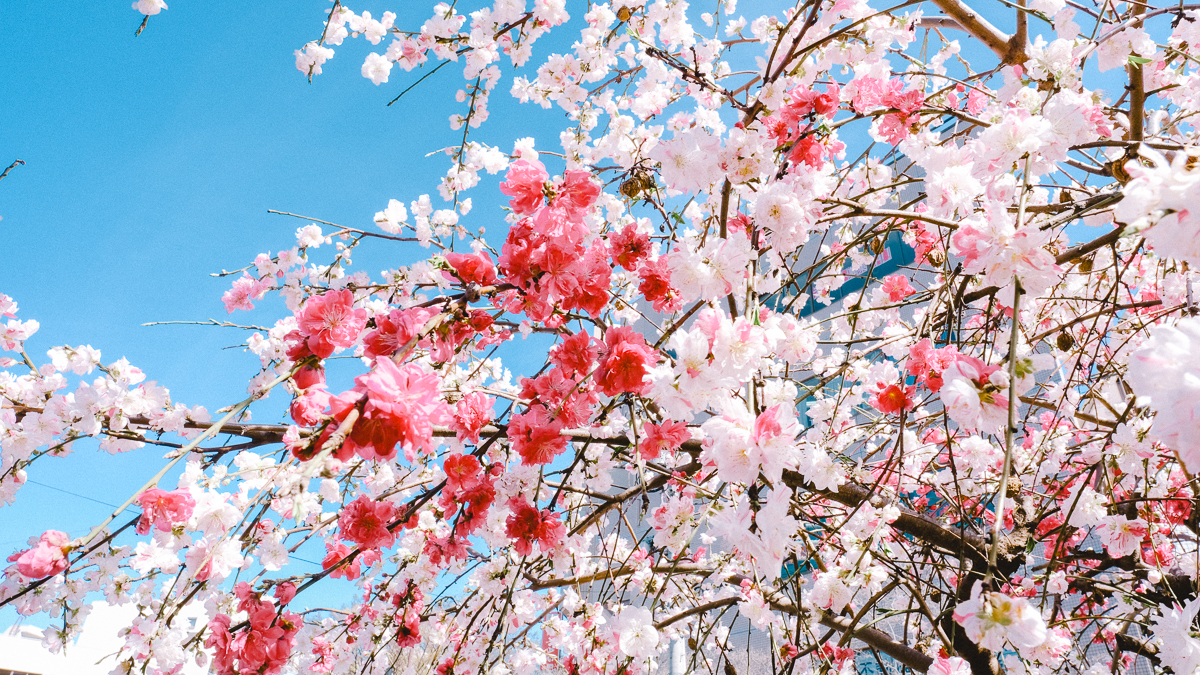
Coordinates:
<point>129,509</point>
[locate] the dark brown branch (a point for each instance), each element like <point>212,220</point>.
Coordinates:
<point>969,544</point>
<point>1069,255</point>
<point>995,39</point>
<point>1137,91</point>
<point>873,637</point>
<point>1128,643</point>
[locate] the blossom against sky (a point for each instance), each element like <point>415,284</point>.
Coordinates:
<point>151,161</point>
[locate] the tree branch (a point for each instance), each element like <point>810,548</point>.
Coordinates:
<point>19,162</point>
<point>958,542</point>
<point>996,40</point>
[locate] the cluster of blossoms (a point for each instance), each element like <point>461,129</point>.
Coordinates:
<point>263,646</point>
<point>839,334</point>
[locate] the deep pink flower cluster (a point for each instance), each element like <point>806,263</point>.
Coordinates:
<point>536,435</point>
<point>544,255</point>
<point>409,606</point>
<point>471,414</point>
<point>568,398</point>
<point>527,526</point>
<point>872,93</point>
<point>560,398</point>
<point>402,405</point>
<point>472,488</point>
<point>403,327</point>
<point>656,285</point>
<point>893,398</point>
<point>263,646</point>
<point>395,330</point>
<point>791,125</point>
<point>472,268</point>
<point>660,438</point>
<point>625,361</point>
<point>335,552</point>
<point>164,510</point>
<point>629,246</point>
<point>927,363</point>
<point>525,183</point>
<point>310,407</point>
<point>329,321</point>
<point>575,355</point>
<point>365,522</point>
<point>896,287</point>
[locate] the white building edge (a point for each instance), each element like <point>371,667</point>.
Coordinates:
<point>94,652</point>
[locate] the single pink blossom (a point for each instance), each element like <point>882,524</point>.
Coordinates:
<point>365,522</point>
<point>164,510</point>
<point>471,413</point>
<point>896,287</point>
<point>47,558</point>
<point>329,321</point>
<point>626,361</point>
<point>524,183</point>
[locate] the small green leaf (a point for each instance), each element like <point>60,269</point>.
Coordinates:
<point>1137,60</point>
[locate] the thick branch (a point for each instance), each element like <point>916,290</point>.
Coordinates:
<point>624,570</point>
<point>874,637</point>
<point>1128,643</point>
<point>996,40</point>
<point>959,542</point>
<point>1137,91</point>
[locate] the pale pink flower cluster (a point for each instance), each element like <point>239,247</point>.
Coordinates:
<point>1179,649</point>
<point>1165,373</point>
<point>992,619</point>
<point>976,394</point>
<point>1161,198</point>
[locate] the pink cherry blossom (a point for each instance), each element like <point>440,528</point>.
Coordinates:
<point>329,321</point>
<point>246,289</point>
<point>524,183</point>
<point>527,526</point>
<point>471,413</point>
<point>402,405</point>
<point>164,510</point>
<point>660,438</point>
<point>897,287</point>
<point>624,363</point>
<point>47,557</point>
<point>365,522</point>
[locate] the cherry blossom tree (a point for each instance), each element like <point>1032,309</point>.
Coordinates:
<point>873,328</point>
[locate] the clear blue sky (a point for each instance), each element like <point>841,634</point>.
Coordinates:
<point>152,161</point>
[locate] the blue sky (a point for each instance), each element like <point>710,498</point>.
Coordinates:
<point>151,162</point>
